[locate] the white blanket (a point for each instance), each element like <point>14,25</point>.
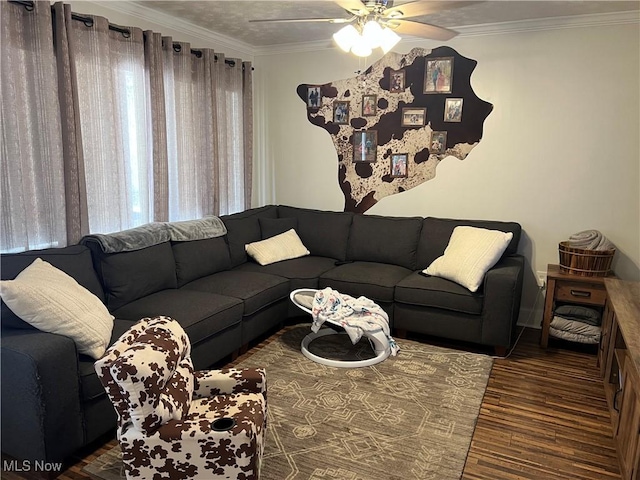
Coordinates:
<point>355,315</point>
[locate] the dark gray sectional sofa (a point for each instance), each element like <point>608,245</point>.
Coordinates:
<point>52,401</point>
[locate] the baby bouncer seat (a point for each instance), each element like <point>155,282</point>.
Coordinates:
<point>357,316</point>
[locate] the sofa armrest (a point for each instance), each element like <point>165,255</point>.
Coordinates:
<point>41,413</point>
<point>229,380</point>
<point>502,294</point>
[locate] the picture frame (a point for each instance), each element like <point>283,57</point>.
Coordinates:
<point>438,75</point>
<point>396,81</point>
<point>369,105</point>
<point>453,110</point>
<point>365,146</point>
<point>438,142</point>
<point>341,113</point>
<point>314,96</point>
<point>399,164</point>
<point>413,116</point>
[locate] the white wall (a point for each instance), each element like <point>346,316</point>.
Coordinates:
<point>560,151</point>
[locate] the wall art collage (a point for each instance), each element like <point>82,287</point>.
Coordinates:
<point>394,123</point>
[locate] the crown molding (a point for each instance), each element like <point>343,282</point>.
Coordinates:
<point>551,23</point>
<point>134,9</point>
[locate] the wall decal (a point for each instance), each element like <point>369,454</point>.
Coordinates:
<point>393,124</point>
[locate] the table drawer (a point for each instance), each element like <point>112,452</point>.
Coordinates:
<point>581,293</point>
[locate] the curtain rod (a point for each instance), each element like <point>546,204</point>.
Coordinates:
<point>88,21</point>
<point>126,33</point>
<point>28,5</point>
<point>198,53</point>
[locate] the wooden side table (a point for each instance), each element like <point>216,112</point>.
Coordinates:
<point>574,289</point>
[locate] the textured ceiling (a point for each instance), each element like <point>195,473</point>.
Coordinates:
<point>231,18</point>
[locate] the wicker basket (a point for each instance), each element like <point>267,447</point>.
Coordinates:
<point>586,263</point>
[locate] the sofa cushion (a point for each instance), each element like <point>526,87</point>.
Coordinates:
<point>284,246</point>
<point>256,290</point>
<point>90,385</point>
<point>391,240</point>
<point>128,276</point>
<point>75,261</point>
<point>375,281</point>
<point>436,233</point>
<point>298,268</point>
<point>199,258</point>
<point>325,234</point>
<point>270,227</point>
<point>201,314</point>
<point>244,228</point>
<point>52,301</point>
<point>470,253</point>
<point>302,272</point>
<point>426,291</point>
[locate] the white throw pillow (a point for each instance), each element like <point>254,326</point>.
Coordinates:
<point>52,301</point>
<point>285,246</point>
<point>470,254</point>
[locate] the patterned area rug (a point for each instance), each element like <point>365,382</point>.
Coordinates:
<point>409,417</point>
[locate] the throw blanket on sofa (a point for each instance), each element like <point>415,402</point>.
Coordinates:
<point>355,315</point>
<point>590,240</point>
<point>155,233</point>
<point>129,240</point>
<point>200,229</point>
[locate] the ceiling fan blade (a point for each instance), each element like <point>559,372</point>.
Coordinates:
<point>292,20</point>
<point>353,6</point>
<point>419,8</point>
<point>425,30</point>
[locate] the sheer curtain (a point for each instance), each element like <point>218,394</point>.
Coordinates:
<point>31,179</point>
<point>205,109</point>
<point>112,95</point>
<point>230,134</point>
<point>117,128</point>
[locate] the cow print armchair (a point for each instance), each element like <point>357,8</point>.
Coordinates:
<point>174,422</point>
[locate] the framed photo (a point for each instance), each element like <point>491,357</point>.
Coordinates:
<point>341,113</point>
<point>438,143</point>
<point>438,75</point>
<point>453,110</point>
<point>413,117</point>
<point>396,81</point>
<point>314,97</point>
<point>369,105</point>
<point>365,146</point>
<point>399,165</point>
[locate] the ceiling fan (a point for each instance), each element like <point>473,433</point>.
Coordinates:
<point>376,23</point>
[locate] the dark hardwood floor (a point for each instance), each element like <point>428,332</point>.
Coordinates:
<point>544,416</point>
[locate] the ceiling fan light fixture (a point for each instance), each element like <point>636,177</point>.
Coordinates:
<point>388,39</point>
<point>361,47</point>
<point>346,37</point>
<point>372,32</point>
